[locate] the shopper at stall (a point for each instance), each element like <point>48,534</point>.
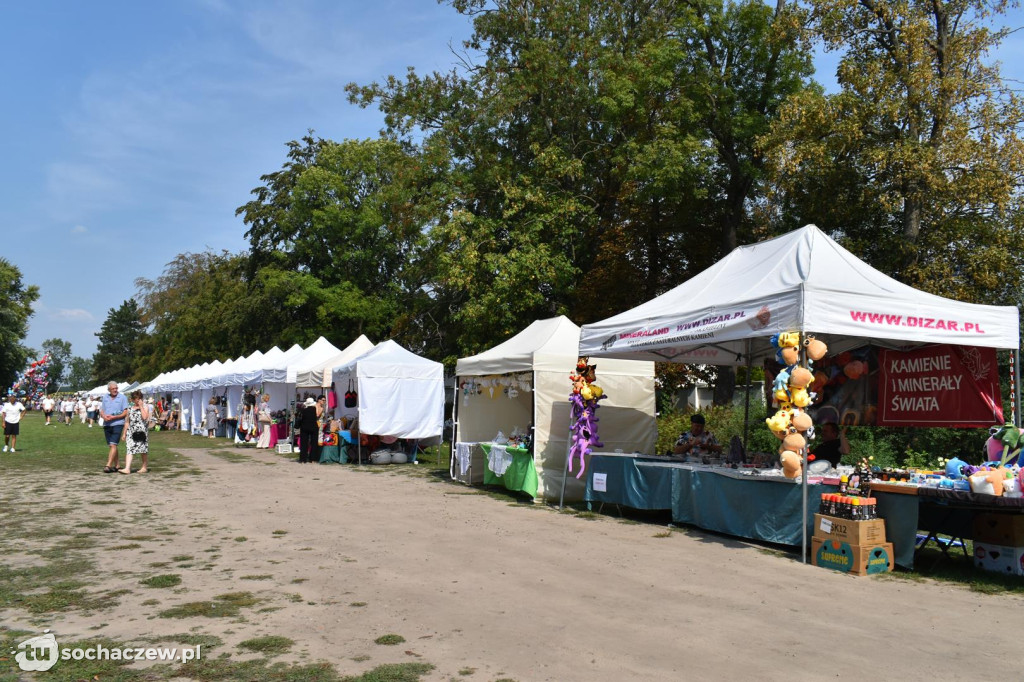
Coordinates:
<point>266,422</point>
<point>212,416</point>
<point>698,441</point>
<point>833,444</point>
<point>309,425</point>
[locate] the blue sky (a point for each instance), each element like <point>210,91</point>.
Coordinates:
<point>132,130</point>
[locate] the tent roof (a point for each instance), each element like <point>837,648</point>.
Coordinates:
<point>319,374</point>
<point>547,345</point>
<point>313,356</point>
<point>801,281</point>
<point>389,360</point>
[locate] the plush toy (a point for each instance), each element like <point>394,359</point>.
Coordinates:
<point>788,344</point>
<point>801,421</point>
<point>988,482</point>
<point>792,465</point>
<point>787,356</point>
<point>794,442</point>
<point>779,423</point>
<point>1004,445</point>
<point>800,378</point>
<point>814,348</point>
<point>799,397</point>
<point>583,404</point>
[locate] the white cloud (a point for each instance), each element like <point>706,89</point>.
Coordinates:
<point>77,314</point>
<point>79,229</point>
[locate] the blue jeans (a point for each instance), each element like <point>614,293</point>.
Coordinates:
<point>113,433</point>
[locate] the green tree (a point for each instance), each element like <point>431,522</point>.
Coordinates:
<point>916,162</point>
<point>121,332</point>
<point>16,301</point>
<point>79,375</point>
<point>332,236</point>
<point>199,309</point>
<point>60,355</point>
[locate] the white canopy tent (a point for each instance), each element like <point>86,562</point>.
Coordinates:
<point>319,373</point>
<point>400,394</point>
<point>546,352</point>
<point>802,281</point>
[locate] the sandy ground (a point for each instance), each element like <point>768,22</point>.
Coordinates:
<point>513,591</point>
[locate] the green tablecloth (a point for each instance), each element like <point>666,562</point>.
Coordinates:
<point>760,508</point>
<point>521,474</point>
<point>334,454</point>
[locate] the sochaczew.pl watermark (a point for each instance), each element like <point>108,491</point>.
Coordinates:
<point>42,652</point>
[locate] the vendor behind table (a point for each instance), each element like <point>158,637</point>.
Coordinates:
<point>698,441</point>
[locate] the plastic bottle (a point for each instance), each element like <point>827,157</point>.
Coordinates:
<point>855,509</point>
<point>843,484</point>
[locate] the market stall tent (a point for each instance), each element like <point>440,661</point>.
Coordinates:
<point>525,381</point>
<point>400,394</point>
<point>319,351</point>
<point>801,281</point>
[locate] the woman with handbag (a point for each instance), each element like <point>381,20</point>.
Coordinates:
<point>266,422</point>
<point>136,433</point>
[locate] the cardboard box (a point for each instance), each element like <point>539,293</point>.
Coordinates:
<point>284,448</point>
<point>853,532</point>
<point>1000,529</point>
<point>856,559</point>
<point>999,558</point>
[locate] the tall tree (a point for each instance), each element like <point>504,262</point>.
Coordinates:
<point>16,301</point>
<point>79,375</point>
<point>916,162</point>
<point>119,336</point>
<point>332,235</point>
<point>199,309</point>
<point>60,356</point>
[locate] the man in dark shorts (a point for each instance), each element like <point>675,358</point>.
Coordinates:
<point>48,404</point>
<point>12,411</point>
<point>113,410</point>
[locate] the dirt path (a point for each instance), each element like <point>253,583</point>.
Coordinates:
<point>339,557</point>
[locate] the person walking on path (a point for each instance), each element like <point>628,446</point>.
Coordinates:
<point>113,410</point>
<point>136,435</point>
<point>48,405</point>
<point>12,411</point>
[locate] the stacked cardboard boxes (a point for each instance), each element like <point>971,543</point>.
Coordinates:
<point>857,547</point>
<point>999,543</point>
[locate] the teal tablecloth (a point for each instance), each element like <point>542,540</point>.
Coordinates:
<point>760,508</point>
<point>334,454</point>
<point>521,474</point>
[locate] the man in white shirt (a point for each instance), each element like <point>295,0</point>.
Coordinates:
<point>48,404</point>
<point>11,410</point>
<point>69,409</point>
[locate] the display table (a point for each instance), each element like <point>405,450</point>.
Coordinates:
<point>521,474</point>
<point>910,509</point>
<point>718,499</point>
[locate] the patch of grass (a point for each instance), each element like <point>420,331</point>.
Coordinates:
<point>166,580</point>
<point>299,581</point>
<point>241,538</point>
<point>280,532</point>
<point>131,545</point>
<point>222,668</point>
<point>64,596</point>
<point>271,645</point>
<point>393,672</point>
<point>663,534</point>
<point>360,658</point>
<point>150,602</point>
<point>467,671</point>
<point>222,606</point>
<point>389,640</point>
<point>140,538</point>
<point>182,557</point>
<point>358,604</point>
<point>260,576</point>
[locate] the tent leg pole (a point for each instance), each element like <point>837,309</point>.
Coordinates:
<point>803,485</point>
<point>746,406</point>
<point>1015,356</point>
<point>565,469</point>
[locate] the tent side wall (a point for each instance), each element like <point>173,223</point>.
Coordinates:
<point>627,423</point>
<point>481,417</point>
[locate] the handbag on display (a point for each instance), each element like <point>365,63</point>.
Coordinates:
<point>332,398</point>
<point>351,396</point>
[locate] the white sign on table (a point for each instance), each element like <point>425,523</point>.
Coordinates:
<point>601,483</point>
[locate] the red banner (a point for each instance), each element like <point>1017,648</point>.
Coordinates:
<point>939,385</point>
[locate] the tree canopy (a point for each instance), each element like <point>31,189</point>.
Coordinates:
<point>16,299</point>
